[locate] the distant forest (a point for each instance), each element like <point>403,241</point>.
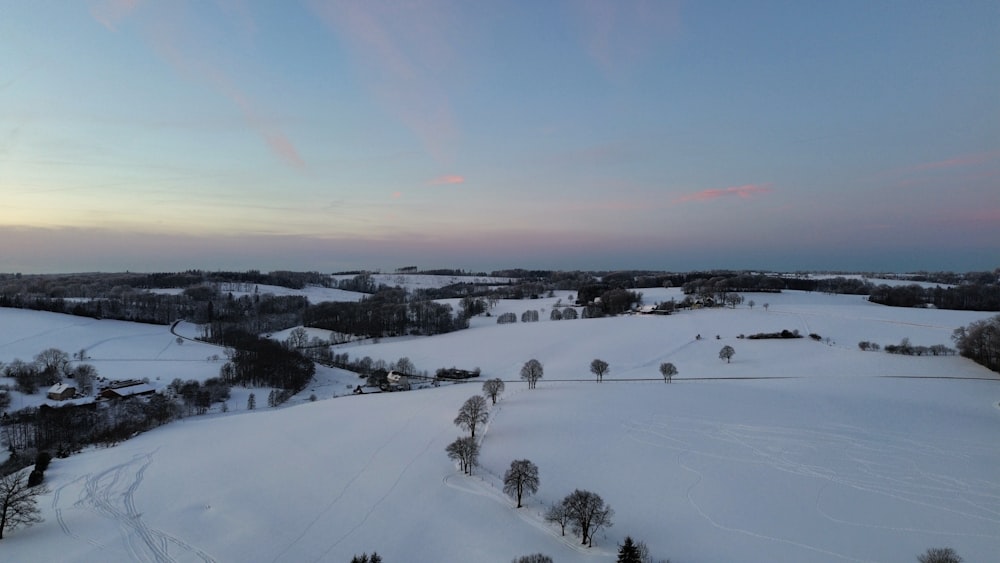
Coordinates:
<point>224,301</point>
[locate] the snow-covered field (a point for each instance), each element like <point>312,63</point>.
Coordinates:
<point>837,462</point>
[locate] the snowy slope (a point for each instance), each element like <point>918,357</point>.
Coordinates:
<point>834,464</point>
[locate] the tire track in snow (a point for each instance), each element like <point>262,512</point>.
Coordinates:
<point>47,332</point>
<point>345,488</point>
<point>371,509</point>
<point>710,520</point>
<point>888,465</point>
<point>104,495</point>
<point>61,520</point>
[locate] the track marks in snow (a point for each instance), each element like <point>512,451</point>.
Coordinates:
<point>384,496</point>
<point>835,461</point>
<point>111,494</point>
<point>343,490</point>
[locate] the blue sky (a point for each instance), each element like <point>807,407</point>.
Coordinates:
<point>579,134</point>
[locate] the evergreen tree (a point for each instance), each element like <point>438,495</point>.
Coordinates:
<point>251,402</point>
<point>628,552</point>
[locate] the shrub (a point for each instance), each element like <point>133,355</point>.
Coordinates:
<point>35,478</point>
<point>42,461</point>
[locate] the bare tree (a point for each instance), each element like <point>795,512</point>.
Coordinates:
<point>766,306</point>
<point>474,412</point>
<point>599,367</point>
<point>405,366</point>
<point>557,514</point>
<point>726,353</point>
<point>588,513</point>
<point>466,451</point>
<point>18,502</point>
<point>532,372</point>
<point>751,303</point>
<point>732,299</point>
<point>298,338</point>
<point>84,375</point>
<point>939,555</point>
<point>668,371</point>
<point>492,388</point>
<point>521,478</point>
<point>24,373</point>
<point>51,364</point>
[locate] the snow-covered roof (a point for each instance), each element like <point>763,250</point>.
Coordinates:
<point>129,390</point>
<point>59,388</point>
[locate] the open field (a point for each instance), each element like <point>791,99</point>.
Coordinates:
<point>856,456</point>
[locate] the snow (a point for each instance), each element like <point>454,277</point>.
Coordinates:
<point>853,456</point>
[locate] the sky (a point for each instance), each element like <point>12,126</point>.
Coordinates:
<point>577,134</point>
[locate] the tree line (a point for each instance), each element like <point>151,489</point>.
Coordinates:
<point>980,342</point>
<point>386,313</point>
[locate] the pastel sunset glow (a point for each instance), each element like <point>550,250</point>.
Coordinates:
<point>575,134</point>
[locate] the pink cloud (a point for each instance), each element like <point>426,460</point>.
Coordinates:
<point>961,160</point>
<point>448,179</point>
<point>397,195</point>
<point>743,192</point>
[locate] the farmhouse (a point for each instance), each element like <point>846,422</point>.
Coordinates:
<point>396,381</point>
<point>128,388</point>
<point>61,392</point>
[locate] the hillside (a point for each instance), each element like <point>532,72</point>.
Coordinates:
<point>836,463</point>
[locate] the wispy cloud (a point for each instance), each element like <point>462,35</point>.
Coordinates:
<point>172,37</point>
<point>745,191</point>
<point>408,49</point>
<point>617,34</point>
<point>445,180</point>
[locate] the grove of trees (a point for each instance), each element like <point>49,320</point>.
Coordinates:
<point>465,450</point>
<point>980,342</point>
<point>587,513</point>
<point>261,362</point>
